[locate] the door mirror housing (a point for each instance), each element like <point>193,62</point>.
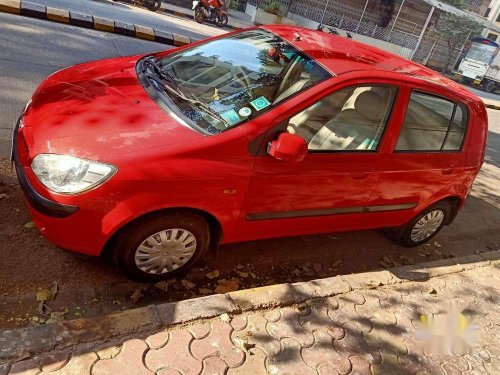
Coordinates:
<point>288,147</point>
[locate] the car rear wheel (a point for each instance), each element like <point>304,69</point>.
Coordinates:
<point>423,227</point>
<point>162,246</point>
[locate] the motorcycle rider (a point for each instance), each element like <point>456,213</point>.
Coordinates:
<point>212,5</point>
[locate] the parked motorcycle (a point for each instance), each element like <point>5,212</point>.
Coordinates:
<point>211,10</point>
<point>153,5</point>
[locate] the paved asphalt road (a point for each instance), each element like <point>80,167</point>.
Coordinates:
<point>137,15</point>
<point>484,94</point>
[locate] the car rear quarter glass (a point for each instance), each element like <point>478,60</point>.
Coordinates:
<point>432,124</point>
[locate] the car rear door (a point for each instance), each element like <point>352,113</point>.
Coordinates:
<point>424,157</point>
<point>329,189</point>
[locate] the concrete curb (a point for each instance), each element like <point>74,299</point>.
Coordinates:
<point>91,22</point>
<point>18,343</point>
<point>492,106</point>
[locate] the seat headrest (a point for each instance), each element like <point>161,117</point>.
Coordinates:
<point>370,105</point>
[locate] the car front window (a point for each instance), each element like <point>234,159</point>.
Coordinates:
<point>225,82</point>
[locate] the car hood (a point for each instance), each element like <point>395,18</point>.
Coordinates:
<point>98,110</point>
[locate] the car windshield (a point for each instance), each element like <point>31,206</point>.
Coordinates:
<point>222,83</point>
<point>481,52</point>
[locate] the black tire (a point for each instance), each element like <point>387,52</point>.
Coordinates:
<point>489,86</point>
<point>129,240</point>
<point>198,15</point>
<point>402,235</point>
<point>155,6</point>
<point>221,20</point>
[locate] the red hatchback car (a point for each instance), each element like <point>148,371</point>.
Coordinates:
<point>267,132</point>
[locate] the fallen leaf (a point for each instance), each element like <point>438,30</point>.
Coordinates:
<point>406,260</point>
<point>243,274</point>
<point>226,286</point>
<point>317,267</point>
<point>77,313</point>
<point>297,272</point>
<point>187,284</point>
<point>55,290</point>
<point>204,291</point>
<point>43,294</point>
<point>247,346</point>
<point>161,285</point>
<point>336,263</point>
<point>136,296</point>
<point>225,318</point>
<point>29,225</point>
<point>3,196</point>
<point>41,308</point>
<point>213,274</point>
<point>56,316</point>
<point>385,265</point>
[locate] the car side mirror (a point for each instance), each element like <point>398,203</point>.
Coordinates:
<point>288,147</point>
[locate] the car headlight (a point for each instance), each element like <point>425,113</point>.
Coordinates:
<point>69,175</point>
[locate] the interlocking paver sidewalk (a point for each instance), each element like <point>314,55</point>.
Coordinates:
<point>364,331</point>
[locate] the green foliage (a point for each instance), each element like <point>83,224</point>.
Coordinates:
<point>271,6</point>
<point>456,3</point>
<point>455,30</point>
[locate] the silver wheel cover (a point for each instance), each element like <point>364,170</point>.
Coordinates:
<point>165,251</point>
<point>427,225</point>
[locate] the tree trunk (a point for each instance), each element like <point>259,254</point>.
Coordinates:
<point>448,57</point>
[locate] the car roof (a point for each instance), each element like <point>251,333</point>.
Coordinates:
<point>343,55</point>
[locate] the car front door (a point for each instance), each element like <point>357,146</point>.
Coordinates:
<point>328,190</point>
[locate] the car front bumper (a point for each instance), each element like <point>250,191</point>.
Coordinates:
<point>70,227</point>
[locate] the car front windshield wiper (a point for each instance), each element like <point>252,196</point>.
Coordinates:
<point>158,70</point>
<point>169,83</point>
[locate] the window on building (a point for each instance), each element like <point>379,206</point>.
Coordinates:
<point>432,124</point>
<point>492,36</point>
<point>487,13</point>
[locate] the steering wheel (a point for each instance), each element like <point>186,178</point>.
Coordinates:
<point>283,86</point>
<point>248,84</point>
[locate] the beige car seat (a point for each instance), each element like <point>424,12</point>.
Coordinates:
<point>357,128</point>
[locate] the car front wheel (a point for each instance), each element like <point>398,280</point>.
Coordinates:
<point>162,246</point>
<point>423,227</point>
